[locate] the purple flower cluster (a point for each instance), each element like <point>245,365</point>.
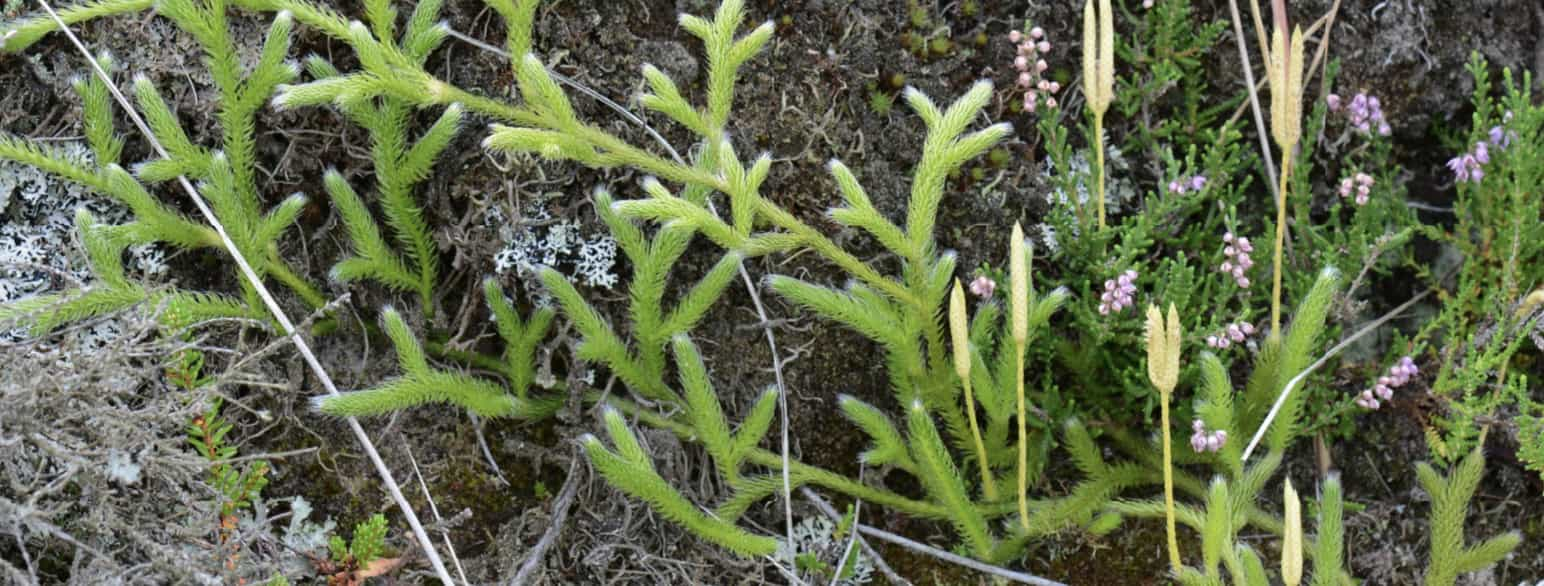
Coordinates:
<point>1469,166</point>
<point>983,287</point>
<point>1237,250</point>
<point>1200,441</point>
<point>1499,137</point>
<point>1031,66</point>
<point>1187,184</point>
<point>1364,112</point>
<point>1398,375</point>
<point>1235,333</point>
<point>1118,293</point>
<point>1361,183</point>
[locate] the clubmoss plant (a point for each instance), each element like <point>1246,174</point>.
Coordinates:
<point>227,177</point>
<point>1284,74</point>
<point>114,291</point>
<point>959,339</point>
<point>1220,407</point>
<point>366,545</point>
<point>422,383</point>
<point>400,164</point>
<point>1018,278</point>
<point>940,364</point>
<point>1163,351</point>
<point>903,314</point>
<point>1450,498</point>
<point>1099,80</point>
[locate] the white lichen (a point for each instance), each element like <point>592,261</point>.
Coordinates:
<point>541,241</point>
<point>814,539</point>
<point>38,249</point>
<point>1119,189</point>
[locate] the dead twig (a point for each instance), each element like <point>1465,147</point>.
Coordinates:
<point>928,550</point>
<point>549,537</point>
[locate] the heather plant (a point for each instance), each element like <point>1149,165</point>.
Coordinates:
<point>1170,43</point>
<point>1487,319</point>
<point>239,486</point>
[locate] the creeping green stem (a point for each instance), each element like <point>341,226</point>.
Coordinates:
<point>283,274</point>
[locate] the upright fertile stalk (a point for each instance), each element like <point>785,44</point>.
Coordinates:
<point>1284,72</point>
<point>959,332</point>
<point>1163,370</point>
<point>1292,537</point>
<point>1018,275</point>
<point>1099,79</point>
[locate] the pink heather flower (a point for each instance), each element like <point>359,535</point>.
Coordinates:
<point>1363,112</point>
<point>1238,262</point>
<point>1499,137</point>
<point>1367,401</point>
<point>1383,391</point>
<point>1383,388</point>
<point>1481,153</point>
<point>1118,293</point>
<point>1466,167</point>
<point>1187,184</point>
<point>983,287</point>
<point>1200,441</point>
<point>1037,90</point>
<point>1147,3</point>
<point>1234,333</point>
<point>1361,183</point>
